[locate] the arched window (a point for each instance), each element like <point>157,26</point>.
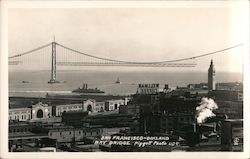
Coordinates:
<point>39,114</point>
<point>116,106</point>
<point>102,110</point>
<point>89,108</point>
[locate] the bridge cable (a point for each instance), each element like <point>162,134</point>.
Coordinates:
<point>31,51</point>
<point>159,62</point>
<point>202,55</point>
<point>125,62</point>
<point>100,58</point>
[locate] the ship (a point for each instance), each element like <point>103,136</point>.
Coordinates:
<point>25,82</point>
<point>85,89</point>
<point>118,81</point>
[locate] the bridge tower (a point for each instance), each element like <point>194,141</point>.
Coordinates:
<point>53,64</point>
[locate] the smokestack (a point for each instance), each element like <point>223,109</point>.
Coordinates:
<point>205,109</point>
<point>215,126</point>
<point>194,125</point>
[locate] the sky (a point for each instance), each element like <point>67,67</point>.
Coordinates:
<point>134,34</point>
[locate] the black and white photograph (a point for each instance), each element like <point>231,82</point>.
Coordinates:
<point>126,78</point>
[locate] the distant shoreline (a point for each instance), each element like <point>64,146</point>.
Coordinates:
<point>175,71</point>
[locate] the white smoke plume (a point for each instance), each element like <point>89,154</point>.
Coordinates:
<point>205,109</point>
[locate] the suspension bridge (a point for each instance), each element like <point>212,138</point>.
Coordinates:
<point>61,55</point>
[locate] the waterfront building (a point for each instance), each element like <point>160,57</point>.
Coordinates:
<point>148,88</point>
<point>21,114</point>
<point>111,105</point>
<point>37,111</point>
<point>44,111</point>
<point>59,109</point>
<point>84,105</point>
<point>100,106</point>
<point>41,111</point>
<point>91,106</point>
<point>211,76</point>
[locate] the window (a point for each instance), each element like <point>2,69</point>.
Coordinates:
<point>79,132</point>
<point>70,132</point>
<point>60,133</point>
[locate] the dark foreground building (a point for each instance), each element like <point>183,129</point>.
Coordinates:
<point>232,135</point>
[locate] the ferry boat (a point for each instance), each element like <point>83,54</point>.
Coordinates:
<point>85,89</point>
<point>25,82</point>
